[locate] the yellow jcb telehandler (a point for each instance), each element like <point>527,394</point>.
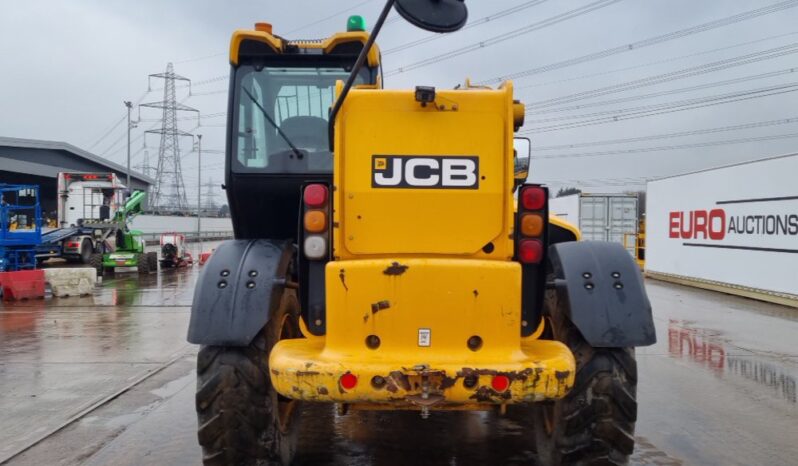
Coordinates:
<point>390,254</point>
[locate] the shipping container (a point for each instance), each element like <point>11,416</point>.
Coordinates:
<point>600,217</point>
<point>732,228</point>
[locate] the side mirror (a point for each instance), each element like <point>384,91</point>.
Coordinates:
<point>434,15</point>
<point>522,152</point>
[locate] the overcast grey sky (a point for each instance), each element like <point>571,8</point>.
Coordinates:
<point>67,67</point>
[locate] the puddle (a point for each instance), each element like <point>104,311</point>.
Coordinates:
<point>706,348</point>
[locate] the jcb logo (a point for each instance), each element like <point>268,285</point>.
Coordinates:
<point>430,171</point>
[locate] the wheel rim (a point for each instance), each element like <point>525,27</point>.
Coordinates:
<point>285,406</point>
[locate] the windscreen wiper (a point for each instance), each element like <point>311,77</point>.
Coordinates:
<point>296,151</point>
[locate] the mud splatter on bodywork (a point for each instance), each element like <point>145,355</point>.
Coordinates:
<point>395,269</point>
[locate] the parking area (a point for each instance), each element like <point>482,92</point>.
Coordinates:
<point>109,379</point>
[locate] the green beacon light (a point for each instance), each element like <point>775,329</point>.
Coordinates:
<point>355,23</point>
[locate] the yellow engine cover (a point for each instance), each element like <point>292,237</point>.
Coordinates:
<point>434,179</point>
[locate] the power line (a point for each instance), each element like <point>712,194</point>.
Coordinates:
<point>327,18</point>
<point>651,95</point>
<point>199,118</point>
<point>672,147</point>
<point>471,24</point>
<point>108,132</point>
<point>203,82</point>
<point>652,63</point>
<point>116,125</point>
<point>661,109</point>
<point>678,103</point>
<point>650,41</point>
<point>112,149</point>
<point>214,79</point>
<point>200,58</point>
<point>222,53</point>
<point>594,184</point>
<point>605,142</point>
<point>606,181</point>
<point>671,76</point>
<point>113,144</point>
<point>506,36</point>
<point>392,19</point>
<point>217,91</point>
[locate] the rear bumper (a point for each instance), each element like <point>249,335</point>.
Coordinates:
<point>423,311</point>
<point>302,369</point>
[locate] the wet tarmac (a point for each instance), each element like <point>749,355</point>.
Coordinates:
<point>109,379</point>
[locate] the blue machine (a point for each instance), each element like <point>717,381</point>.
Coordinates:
<point>20,226</point>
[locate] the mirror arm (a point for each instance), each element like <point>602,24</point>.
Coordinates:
<point>356,70</point>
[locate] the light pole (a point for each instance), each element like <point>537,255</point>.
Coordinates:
<point>199,192</point>
<point>129,106</point>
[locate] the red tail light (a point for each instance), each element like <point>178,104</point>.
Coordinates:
<point>500,383</point>
<point>533,198</point>
<point>348,381</point>
<point>530,251</point>
<point>315,195</point>
<point>315,223</point>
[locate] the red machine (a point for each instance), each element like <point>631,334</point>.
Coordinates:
<point>173,251</point>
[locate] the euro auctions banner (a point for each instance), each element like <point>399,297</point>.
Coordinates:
<point>736,225</point>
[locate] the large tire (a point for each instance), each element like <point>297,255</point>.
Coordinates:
<point>96,261</point>
<point>143,264</point>
<point>152,259</point>
<point>594,424</point>
<point>242,419</point>
<point>86,250</point>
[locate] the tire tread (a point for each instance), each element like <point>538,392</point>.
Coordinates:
<point>598,415</point>
<point>235,404</point>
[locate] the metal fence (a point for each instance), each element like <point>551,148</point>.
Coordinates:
<point>191,236</point>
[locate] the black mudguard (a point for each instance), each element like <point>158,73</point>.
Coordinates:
<point>603,292</point>
<point>234,292</point>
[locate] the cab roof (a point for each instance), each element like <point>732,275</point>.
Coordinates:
<point>261,41</point>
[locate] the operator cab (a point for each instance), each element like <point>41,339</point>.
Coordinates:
<point>280,98</point>
<point>284,106</point>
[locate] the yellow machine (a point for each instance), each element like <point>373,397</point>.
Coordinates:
<point>420,270</point>
<point>394,248</point>
<point>639,240</point>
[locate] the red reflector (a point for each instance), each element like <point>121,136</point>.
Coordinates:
<point>530,251</point>
<point>500,383</point>
<point>348,381</point>
<point>315,195</point>
<point>533,198</point>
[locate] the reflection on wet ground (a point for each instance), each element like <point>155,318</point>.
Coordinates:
<point>453,438</point>
<point>719,387</point>
<point>59,357</point>
<point>706,348</point>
